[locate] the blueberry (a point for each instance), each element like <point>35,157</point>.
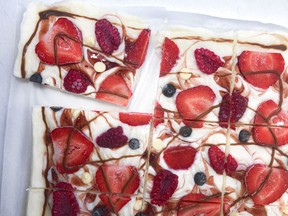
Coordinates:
<point>244,136</point>
<point>140,214</point>
<point>185,131</point>
<point>134,143</point>
<point>36,77</point>
<point>169,90</point>
<point>200,178</point>
<point>100,210</point>
<point>55,108</point>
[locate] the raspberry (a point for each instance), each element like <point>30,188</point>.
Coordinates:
<point>231,164</point>
<point>64,201</point>
<point>107,36</point>
<point>217,159</point>
<point>232,109</point>
<point>112,138</point>
<point>207,61</point>
<point>76,81</point>
<point>164,185</point>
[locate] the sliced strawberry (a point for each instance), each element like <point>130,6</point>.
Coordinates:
<point>71,149</point>
<point>158,114</point>
<point>274,186</point>
<point>64,201</point>
<point>180,157</point>
<point>198,204</point>
<point>193,102</point>
<point>135,119</point>
<point>136,50</point>
<point>261,69</point>
<point>68,46</point>
<point>170,54</point>
<point>270,135</point>
<point>114,90</point>
<point>117,179</point>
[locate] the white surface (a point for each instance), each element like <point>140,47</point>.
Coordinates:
<point>19,96</point>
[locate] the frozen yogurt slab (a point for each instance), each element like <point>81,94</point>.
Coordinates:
<point>66,201</point>
<point>82,49</point>
<point>183,167</point>
<point>91,150</point>
<point>261,77</point>
<point>259,182</point>
<point>195,73</point>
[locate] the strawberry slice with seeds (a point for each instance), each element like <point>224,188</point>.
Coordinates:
<point>265,185</point>
<point>192,104</point>
<point>135,119</point>
<point>71,149</point>
<point>270,135</point>
<point>170,54</point>
<point>198,204</point>
<point>261,69</point>
<point>64,201</point>
<point>180,157</point>
<point>136,50</point>
<point>114,90</point>
<point>61,45</point>
<point>116,179</point>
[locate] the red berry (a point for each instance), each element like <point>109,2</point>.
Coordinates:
<point>164,185</point>
<point>207,61</point>
<point>76,81</point>
<point>107,36</point>
<point>231,164</point>
<point>135,119</point>
<point>232,109</point>
<point>112,138</point>
<point>217,159</point>
<point>64,201</point>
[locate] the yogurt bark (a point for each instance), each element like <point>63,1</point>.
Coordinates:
<point>184,177</point>
<point>82,49</point>
<point>195,73</point>
<point>90,152</point>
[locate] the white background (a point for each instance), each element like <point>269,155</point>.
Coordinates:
<point>11,11</point>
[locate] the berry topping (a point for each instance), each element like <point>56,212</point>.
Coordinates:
<point>200,178</point>
<point>136,50</point>
<point>68,46</point>
<point>180,157</point>
<point>116,179</point>
<point>114,90</point>
<point>101,210</point>
<point>71,149</point>
<point>207,61</point>
<point>158,115</point>
<point>56,108</point>
<point>193,103</point>
<point>265,185</point>
<point>198,204</point>
<point>36,77</point>
<point>135,119</point>
<point>270,135</point>
<point>169,90</point>
<point>107,36</point>
<point>164,185</point>
<point>244,136</point>
<point>112,138</point>
<point>76,81</point>
<point>170,54</point>
<point>261,69</point>
<point>217,161</point>
<point>64,201</point>
<point>185,131</point>
<point>232,109</point>
<point>134,143</point>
